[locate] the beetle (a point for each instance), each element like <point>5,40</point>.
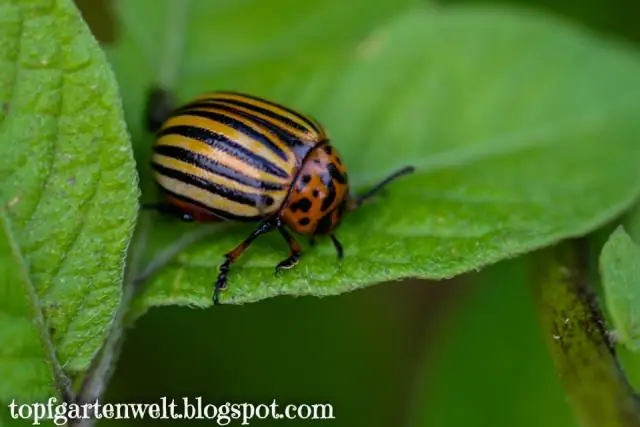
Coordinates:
<point>229,156</point>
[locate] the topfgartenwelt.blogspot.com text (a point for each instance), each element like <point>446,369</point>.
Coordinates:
<point>168,409</point>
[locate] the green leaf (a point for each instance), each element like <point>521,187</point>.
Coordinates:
<point>26,354</point>
<point>627,352</point>
<point>620,269</point>
<point>522,127</point>
<point>67,177</point>
<point>491,360</point>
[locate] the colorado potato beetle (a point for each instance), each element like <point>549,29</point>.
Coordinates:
<point>228,156</point>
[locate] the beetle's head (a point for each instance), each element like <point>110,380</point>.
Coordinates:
<point>320,194</point>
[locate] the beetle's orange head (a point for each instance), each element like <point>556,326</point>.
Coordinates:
<point>320,193</point>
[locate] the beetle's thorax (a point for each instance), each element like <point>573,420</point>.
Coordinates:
<point>319,193</point>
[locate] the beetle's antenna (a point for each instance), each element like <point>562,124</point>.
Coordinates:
<point>359,200</point>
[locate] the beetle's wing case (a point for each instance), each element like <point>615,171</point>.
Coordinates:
<point>233,155</point>
<point>298,131</point>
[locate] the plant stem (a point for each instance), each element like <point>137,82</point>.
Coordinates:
<point>575,332</point>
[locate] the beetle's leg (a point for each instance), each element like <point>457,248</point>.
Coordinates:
<point>359,200</point>
<point>233,255</point>
<point>338,246</point>
<point>159,106</point>
<point>168,209</point>
<point>294,257</point>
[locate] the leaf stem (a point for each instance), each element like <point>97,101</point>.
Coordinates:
<point>576,336</point>
<point>176,29</point>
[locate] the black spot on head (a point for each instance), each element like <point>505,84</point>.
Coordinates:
<point>316,161</point>
<point>304,221</point>
<point>336,174</point>
<point>306,179</point>
<point>316,193</point>
<point>303,204</point>
<point>267,200</point>
<point>327,149</point>
<point>338,160</point>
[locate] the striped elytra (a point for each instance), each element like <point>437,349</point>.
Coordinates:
<point>235,157</point>
<point>231,156</point>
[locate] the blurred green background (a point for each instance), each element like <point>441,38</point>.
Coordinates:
<point>464,353</point>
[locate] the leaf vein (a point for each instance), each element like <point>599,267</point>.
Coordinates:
<point>62,381</point>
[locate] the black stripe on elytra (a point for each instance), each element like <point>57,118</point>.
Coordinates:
<point>215,167</point>
<point>240,127</point>
<point>226,145</point>
<point>306,120</point>
<point>277,130</point>
<point>217,212</point>
<point>237,196</point>
<point>265,112</point>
